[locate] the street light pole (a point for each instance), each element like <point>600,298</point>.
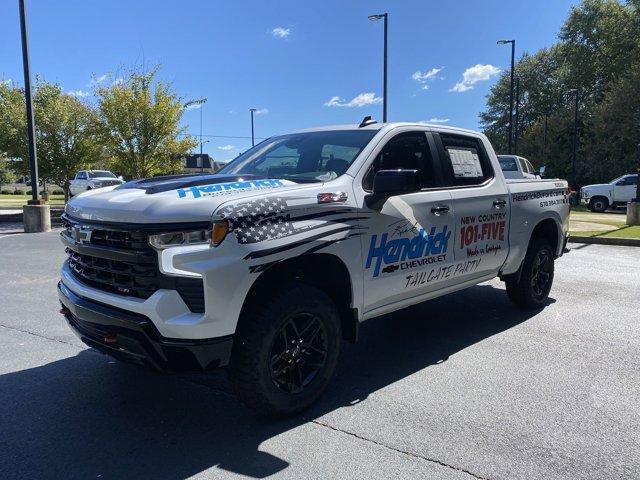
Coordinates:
<point>544,147</point>
<point>574,147</point>
<point>253,138</point>
<point>375,18</point>
<point>33,155</point>
<point>515,139</point>
<point>637,199</point>
<point>201,102</point>
<point>513,58</point>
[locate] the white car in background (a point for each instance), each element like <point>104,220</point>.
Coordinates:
<point>90,179</point>
<point>614,194</point>
<point>514,166</point>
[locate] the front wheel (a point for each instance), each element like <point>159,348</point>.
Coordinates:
<point>286,350</point>
<point>598,204</point>
<point>536,277</point>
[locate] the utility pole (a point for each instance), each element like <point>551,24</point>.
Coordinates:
<point>544,138</point>
<point>375,18</point>
<point>633,207</point>
<point>253,138</point>
<point>513,59</point>
<point>515,139</point>
<point>200,102</point>
<point>33,155</point>
<point>574,148</point>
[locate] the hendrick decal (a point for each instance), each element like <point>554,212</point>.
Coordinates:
<point>404,253</point>
<point>226,188</point>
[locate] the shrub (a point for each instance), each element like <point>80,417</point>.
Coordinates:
<point>18,192</point>
<point>57,192</point>
<point>6,192</point>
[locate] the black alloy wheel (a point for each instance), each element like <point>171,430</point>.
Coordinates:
<point>298,353</point>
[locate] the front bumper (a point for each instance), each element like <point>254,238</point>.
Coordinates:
<point>133,338</point>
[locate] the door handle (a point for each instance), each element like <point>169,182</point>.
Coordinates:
<point>439,209</point>
<point>499,203</point>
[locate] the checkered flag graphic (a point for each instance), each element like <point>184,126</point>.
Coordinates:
<point>259,220</point>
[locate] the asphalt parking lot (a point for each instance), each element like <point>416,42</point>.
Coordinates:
<point>463,387</point>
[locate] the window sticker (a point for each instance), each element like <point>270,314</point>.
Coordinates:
<point>465,162</point>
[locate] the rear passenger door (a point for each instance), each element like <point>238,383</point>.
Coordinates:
<point>406,244</point>
<point>480,201</point>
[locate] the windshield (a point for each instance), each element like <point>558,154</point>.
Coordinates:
<point>303,157</point>
<point>101,174</point>
<point>508,164</point>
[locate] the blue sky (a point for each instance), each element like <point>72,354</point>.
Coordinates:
<point>301,64</point>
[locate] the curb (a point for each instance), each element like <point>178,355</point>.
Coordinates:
<point>624,242</point>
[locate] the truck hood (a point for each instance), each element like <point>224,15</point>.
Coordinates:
<point>173,199</point>
<point>597,186</point>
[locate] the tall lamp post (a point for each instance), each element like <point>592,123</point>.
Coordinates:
<point>253,138</point>
<point>375,18</point>
<point>517,133</point>
<point>513,57</point>
<point>201,102</point>
<point>36,215</point>
<point>574,146</point>
<point>33,155</point>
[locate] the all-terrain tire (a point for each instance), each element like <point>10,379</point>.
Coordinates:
<point>536,277</point>
<point>598,204</point>
<point>258,359</point>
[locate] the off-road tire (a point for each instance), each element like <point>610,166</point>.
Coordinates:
<point>598,204</point>
<point>527,292</point>
<point>260,331</point>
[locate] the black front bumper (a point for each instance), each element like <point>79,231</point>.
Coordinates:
<point>133,338</point>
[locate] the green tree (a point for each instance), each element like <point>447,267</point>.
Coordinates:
<point>65,132</point>
<point>6,174</point>
<point>598,52</point>
<point>140,126</point>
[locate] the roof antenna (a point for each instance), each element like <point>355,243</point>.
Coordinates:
<point>367,121</point>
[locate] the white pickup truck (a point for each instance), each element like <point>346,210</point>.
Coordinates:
<point>90,179</point>
<point>614,194</point>
<point>265,266</point>
<point>514,167</point>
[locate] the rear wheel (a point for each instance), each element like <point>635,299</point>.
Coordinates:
<point>536,278</point>
<point>598,204</point>
<point>286,350</point>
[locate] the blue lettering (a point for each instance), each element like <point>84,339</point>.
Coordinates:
<point>401,249</point>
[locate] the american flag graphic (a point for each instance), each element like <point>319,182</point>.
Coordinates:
<point>259,220</point>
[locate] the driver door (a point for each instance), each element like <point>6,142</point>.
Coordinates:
<point>407,245</point>
<point>625,189</point>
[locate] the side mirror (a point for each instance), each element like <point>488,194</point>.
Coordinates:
<point>120,177</point>
<point>389,183</point>
<point>541,171</point>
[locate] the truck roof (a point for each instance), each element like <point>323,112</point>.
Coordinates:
<point>387,126</point>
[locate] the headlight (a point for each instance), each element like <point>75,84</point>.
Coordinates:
<point>213,236</point>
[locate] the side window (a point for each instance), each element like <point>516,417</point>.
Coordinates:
<point>629,180</point>
<point>530,167</point>
<point>81,176</point>
<point>407,151</point>
<point>466,160</point>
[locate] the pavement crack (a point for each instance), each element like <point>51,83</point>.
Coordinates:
<point>403,452</point>
<point>40,336</point>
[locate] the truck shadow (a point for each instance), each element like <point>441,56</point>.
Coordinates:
<point>88,417</point>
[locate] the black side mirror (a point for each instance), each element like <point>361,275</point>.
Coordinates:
<point>388,183</point>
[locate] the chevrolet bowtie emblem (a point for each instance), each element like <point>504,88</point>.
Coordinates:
<point>81,234</point>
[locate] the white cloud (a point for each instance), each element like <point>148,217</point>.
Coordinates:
<point>424,77</point>
<point>435,120</point>
<point>95,81</point>
<point>262,111</point>
<point>368,98</point>
<point>226,148</point>
<point>281,32</point>
<point>473,75</point>
<point>79,93</point>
